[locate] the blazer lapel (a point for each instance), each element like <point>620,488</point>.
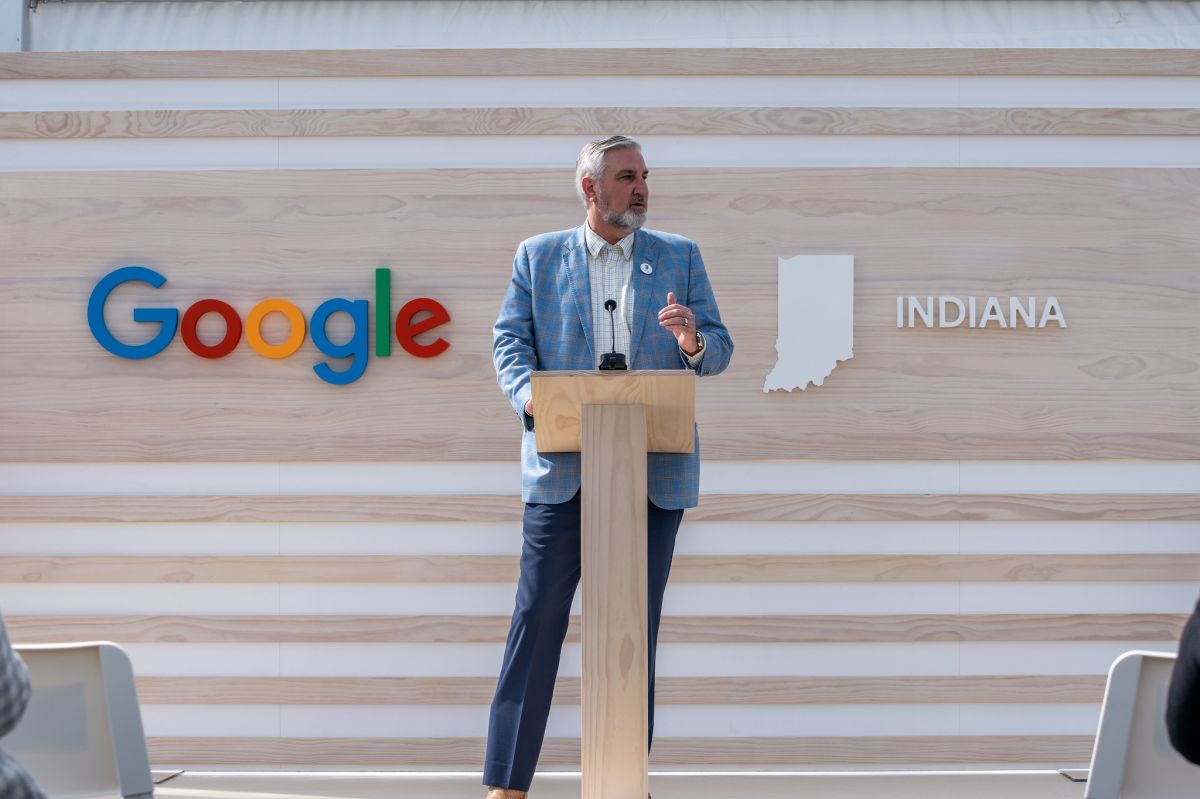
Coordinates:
<point>645,251</point>
<point>575,264</point>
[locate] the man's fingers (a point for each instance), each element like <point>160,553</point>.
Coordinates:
<point>674,317</point>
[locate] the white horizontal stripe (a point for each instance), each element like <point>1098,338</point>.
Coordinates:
<point>721,90</point>
<point>816,538</point>
<point>1084,477</point>
<point>494,92</point>
<point>425,152</point>
<point>1078,537</point>
<point>98,155</point>
<point>1107,91</point>
<point>731,599</point>
<point>695,538</point>
<point>817,599</point>
<point>674,660</point>
<point>835,91</point>
<point>686,721</point>
<point>204,660</point>
<point>711,721</point>
<point>741,151</point>
<point>1038,657</point>
<point>114,94</point>
<point>387,599</point>
<point>619,91</point>
<point>681,599</point>
<point>421,152</point>
<point>41,479</point>
<point>408,721</point>
<point>832,477</point>
<point>232,721</point>
<point>483,477</point>
<point>927,538</point>
<point>1079,151</point>
<point>449,477</point>
<point>543,152</point>
<point>401,660</point>
<point>1097,597</point>
<point>691,721</point>
<point>20,599</point>
<point>657,23</point>
<point>927,781</point>
<point>1029,719</point>
<point>114,479</point>
<point>141,539</point>
<point>827,660</point>
<point>443,538</point>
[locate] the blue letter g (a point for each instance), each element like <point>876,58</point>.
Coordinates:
<point>167,317</point>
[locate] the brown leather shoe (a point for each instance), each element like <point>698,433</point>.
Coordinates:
<point>505,793</point>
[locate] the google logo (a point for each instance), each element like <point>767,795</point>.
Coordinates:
<point>407,327</point>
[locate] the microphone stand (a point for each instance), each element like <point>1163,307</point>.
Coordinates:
<point>612,361</point>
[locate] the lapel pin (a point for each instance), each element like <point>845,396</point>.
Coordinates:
<point>646,268</point>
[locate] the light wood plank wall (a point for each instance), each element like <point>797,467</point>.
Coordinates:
<point>587,122</point>
<point>1116,245</point>
<point>1112,244</point>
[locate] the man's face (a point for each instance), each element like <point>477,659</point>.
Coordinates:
<point>622,195</point>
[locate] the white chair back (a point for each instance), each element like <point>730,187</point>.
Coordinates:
<point>1133,757</point>
<point>81,736</point>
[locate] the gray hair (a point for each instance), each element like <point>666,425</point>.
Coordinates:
<point>591,161</point>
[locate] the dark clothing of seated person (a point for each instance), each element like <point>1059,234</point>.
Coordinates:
<point>1183,699</point>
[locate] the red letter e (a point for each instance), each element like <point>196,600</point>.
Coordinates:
<point>407,330</point>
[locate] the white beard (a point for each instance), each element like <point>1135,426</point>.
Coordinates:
<point>630,220</point>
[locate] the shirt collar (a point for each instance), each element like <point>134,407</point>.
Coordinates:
<point>596,243</point>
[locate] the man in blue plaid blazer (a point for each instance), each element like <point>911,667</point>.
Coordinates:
<point>576,294</point>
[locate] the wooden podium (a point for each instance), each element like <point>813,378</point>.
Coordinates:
<point>614,419</point>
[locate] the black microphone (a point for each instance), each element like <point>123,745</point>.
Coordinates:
<point>612,361</point>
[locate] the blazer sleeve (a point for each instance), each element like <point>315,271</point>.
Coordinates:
<point>718,346</point>
<point>512,338</point>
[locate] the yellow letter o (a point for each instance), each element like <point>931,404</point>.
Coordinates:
<point>254,328</point>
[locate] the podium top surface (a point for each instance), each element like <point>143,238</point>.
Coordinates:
<point>669,396</point>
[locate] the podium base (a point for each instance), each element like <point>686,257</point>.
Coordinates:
<point>615,681</point>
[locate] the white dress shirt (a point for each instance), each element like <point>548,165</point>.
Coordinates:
<point>610,269</point>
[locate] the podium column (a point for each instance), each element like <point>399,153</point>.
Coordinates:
<point>615,680</point>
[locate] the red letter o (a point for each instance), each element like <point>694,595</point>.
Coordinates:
<point>233,329</point>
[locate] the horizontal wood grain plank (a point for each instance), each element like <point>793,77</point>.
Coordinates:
<point>391,752</point>
<point>669,690</point>
<point>508,508</point>
<point>600,61</point>
<point>676,629</point>
<point>1122,381</point>
<point>947,507</point>
<point>333,508</point>
<point>587,121</point>
<point>685,569</point>
<point>935,568</point>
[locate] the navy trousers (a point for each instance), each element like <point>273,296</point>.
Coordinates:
<point>549,576</point>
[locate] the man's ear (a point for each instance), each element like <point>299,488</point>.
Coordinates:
<point>589,187</point>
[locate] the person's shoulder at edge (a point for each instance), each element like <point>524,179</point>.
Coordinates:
<point>671,240</point>
<point>544,241</point>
